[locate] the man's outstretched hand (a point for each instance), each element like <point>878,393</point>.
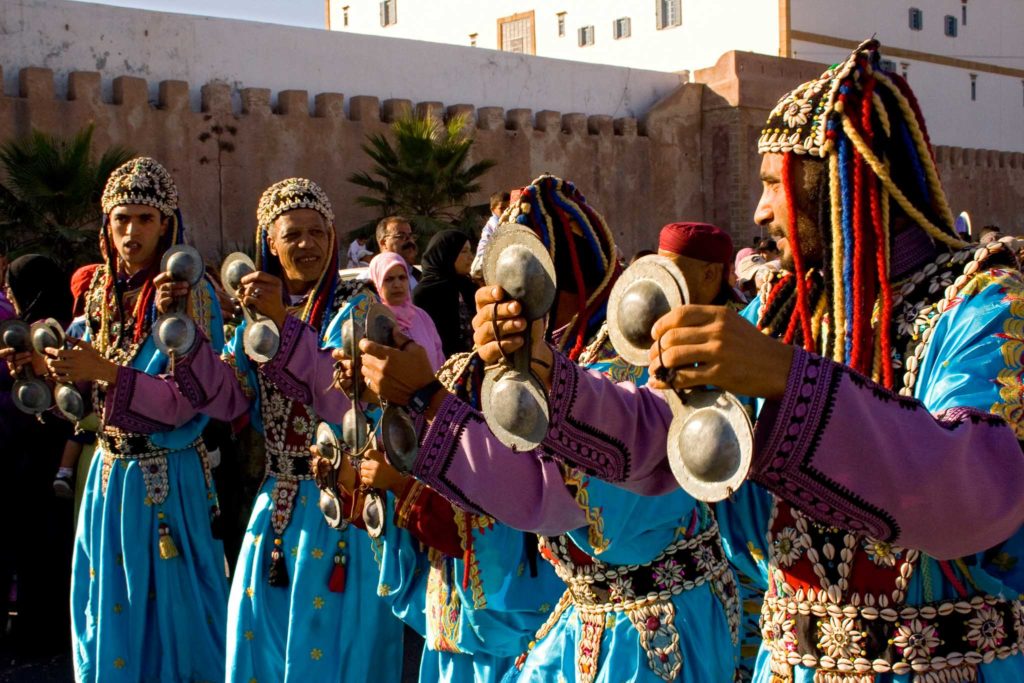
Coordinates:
<point>714,346</point>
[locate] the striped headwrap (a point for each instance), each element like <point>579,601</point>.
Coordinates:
<point>582,248</point>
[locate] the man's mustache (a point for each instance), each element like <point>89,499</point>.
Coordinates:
<point>409,245</point>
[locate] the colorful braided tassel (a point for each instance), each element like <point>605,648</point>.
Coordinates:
<point>278,574</point>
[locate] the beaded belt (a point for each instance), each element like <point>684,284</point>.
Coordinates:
<point>151,460</point>
<point>126,446</point>
<point>938,643</point>
<point>597,586</point>
<point>642,592</point>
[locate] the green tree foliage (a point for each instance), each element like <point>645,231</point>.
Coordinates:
<point>423,174</point>
<point>50,195</point>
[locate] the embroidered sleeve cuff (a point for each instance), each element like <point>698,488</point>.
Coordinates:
<point>786,442</point>
<point>185,376</point>
<point>563,387</point>
<point>277,370</point>
<point>571,440</point>
<point>786,428</point>
<point>439,445</point>
<point>121,407</point>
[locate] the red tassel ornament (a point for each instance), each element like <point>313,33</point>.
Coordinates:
<point>339,573</point>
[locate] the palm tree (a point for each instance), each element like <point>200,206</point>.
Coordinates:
<point>49,200</point>
<point>424,174</point>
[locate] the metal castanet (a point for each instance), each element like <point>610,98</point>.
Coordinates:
<point>330,449</point>
<point>513,399</point>
<point>355,439</point>
<point>175,332</point>
<point>261,339</point>
<point>48,334</point>
<point>710,440</point>
<point>30,394</point>
<point>397,431</point>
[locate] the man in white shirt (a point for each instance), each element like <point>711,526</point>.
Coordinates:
<point>394,233</point>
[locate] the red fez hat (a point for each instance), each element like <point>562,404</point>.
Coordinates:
<point>701,241</point>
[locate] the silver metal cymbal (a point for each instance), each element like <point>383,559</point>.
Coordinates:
<point>174,333</point>
<point>398,434</point>
<point>32,395</point>
<point>261,340</point>
<point>15,334</point>
<point>69,402</point>
<point>373,514</point>
<point>354,430</point>
<point>517,261</point>
<point>328,445</point>
<point>380,324</point>
<point>331,507</point>
<point>184,263</point>
<point>236,266</point>
<point>647,290</point>
<point>515,407</point>
<point>710,443</point>
<point>47,334</point>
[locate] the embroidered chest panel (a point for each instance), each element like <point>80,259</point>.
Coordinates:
<point>807,556</point>
<point>289,427</point>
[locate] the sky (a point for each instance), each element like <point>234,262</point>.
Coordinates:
<point>308,13</point>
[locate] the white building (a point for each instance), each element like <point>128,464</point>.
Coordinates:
<point>964,58</point>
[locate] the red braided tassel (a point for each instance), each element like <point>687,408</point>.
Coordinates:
<point>881,265</point>
<point>858,354</point>
<point>803,312</point>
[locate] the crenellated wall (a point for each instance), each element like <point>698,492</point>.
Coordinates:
<point>236,143</point>
<point>691,155</point>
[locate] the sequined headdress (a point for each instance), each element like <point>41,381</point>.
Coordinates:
<point>865,125</point>
<point>581,245</point>
<point>142,180</point>
<point>288,195</point>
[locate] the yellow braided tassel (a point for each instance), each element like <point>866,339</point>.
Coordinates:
<point>839,324</point>
<point>901,199</point>
<point>922,149</point>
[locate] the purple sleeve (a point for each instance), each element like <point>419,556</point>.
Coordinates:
<point>615,432</point>
<point>460,459</point>
<point>305,373</point>
<point>949,485</point>
<point>209,384</point>
<point>145,404</point>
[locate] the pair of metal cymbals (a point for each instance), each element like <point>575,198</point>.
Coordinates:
<point>48,334</point>
<point>710,440</point>
<point>397,431</point>
<point>30,394</point>
<point>261,339</point>
<point>513,400</point>
<point>175,332</point>
<point>331,449</point>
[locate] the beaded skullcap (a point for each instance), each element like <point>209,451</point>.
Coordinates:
<point>291,194</point>
<point>799,122</point>
<point>142,180</point>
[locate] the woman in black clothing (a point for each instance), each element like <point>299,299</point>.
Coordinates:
<point>36,545</point>
<point>445,291</point>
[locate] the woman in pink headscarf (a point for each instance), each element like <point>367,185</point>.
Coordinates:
<point>390,275</point>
